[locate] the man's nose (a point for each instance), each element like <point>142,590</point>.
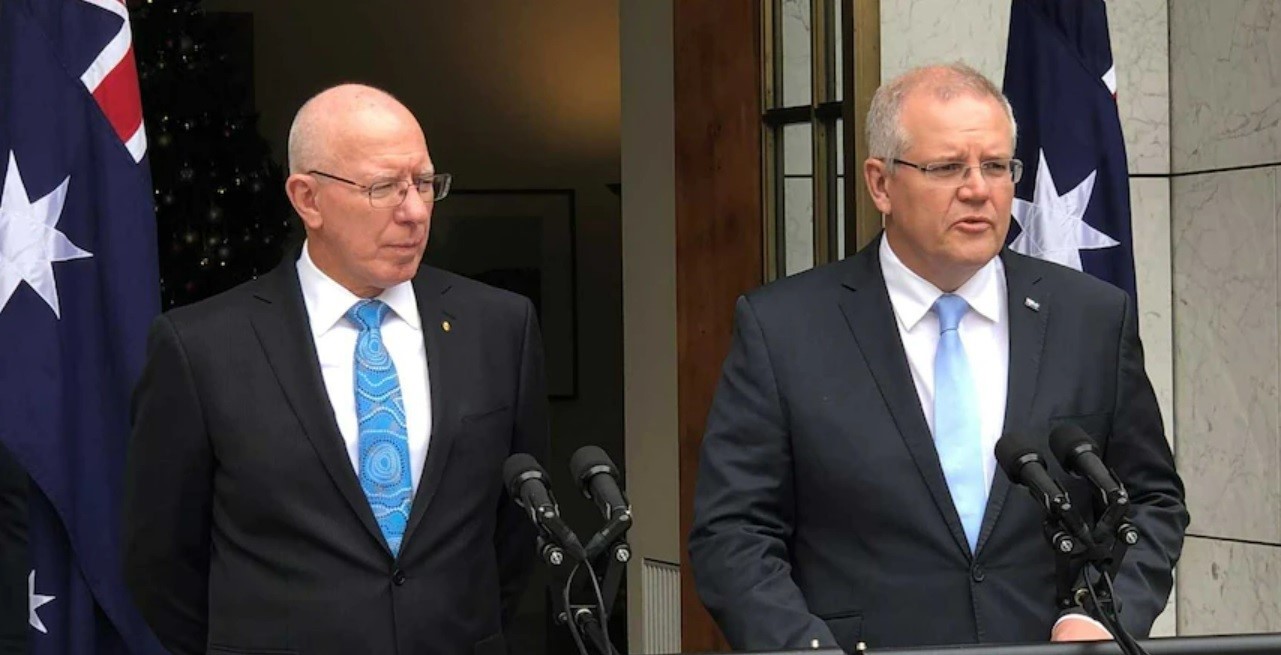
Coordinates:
<point>975,187</point>
<point>414,208</point>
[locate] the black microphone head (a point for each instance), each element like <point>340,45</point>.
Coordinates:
<point>518,468</point>
<point>1068,441</point>
<point>1013,451</point>
<point>588,461</point>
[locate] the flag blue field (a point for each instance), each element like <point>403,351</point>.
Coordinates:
<point>1073,204</point>
<point>78,289</point>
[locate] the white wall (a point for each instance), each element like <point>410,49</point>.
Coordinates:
<point>649,293</point>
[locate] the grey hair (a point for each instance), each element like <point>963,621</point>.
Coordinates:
<point>886,138</point>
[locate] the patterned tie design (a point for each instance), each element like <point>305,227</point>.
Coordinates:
<point>957,428</point>
<point>380,412</point>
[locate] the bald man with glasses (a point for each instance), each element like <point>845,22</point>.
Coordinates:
<point>315,464</point>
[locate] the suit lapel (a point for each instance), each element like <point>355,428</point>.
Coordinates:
<point>431,293</point>
<point>280,321</point>
<point>870,317</point>
<point>1029,313</point>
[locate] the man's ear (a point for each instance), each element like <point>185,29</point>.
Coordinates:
<point>301,190</point>
<point>876,174</point>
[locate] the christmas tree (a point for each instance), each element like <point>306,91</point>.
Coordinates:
<point>220,209</point>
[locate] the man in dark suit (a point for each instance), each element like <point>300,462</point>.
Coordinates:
<point>316,456</point>
<point>847,489</point>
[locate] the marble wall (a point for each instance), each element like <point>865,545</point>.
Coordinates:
<point>915,32</point>
<point>1225,124</point>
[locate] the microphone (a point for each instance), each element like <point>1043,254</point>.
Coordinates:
<point>529,485</point>
<point>598,479</point>
<point>1024,465</point>
<point>1077,453</point>
<point>1021,461</point>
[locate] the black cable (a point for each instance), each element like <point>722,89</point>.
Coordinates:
<point>1104,616</point>
<point>608,646</point>
<point>1113,624</point>
<point>1138,649</point>
<point>597,634</point>
<point>570,620</point>
<point>600,597</point>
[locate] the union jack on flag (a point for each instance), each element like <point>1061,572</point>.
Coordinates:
<point>112,79</point>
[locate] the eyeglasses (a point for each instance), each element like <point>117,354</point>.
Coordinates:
<point>391,193</point>
<point>956,172</point>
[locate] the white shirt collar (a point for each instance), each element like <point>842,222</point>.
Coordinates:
<point>327,301</point>
<point>912,296</point>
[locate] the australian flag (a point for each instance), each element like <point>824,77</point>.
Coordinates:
<point>78,288</point>
<point>1073,204</point>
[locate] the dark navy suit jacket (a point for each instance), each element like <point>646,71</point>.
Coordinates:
<point>246,529</point>
<point>821,510</point>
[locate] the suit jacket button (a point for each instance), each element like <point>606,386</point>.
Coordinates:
<point>398,577</point>
<point>977,573</point>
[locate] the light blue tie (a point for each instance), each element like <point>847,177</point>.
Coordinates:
<point>957,431</point>
<point>380,413</point>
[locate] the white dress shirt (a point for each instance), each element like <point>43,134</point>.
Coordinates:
<point>985,334</point>
<point>984,331</point>
<point>327,303</point>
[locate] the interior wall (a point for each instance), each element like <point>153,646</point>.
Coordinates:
<point>649,307</point>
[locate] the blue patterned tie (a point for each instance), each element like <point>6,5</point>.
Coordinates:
<point>957,431</point>
<point>380,413</point>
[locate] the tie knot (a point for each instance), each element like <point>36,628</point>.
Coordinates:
<point>950,309</point>
<point>368,314</point>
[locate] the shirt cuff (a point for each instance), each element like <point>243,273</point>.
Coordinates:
<point>1081,617</point>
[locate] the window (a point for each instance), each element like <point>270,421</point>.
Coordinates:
<point>807,99</point>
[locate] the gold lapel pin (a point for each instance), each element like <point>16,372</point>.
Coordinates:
<point>444,325</point>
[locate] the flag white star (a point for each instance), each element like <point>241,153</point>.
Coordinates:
<point>29,242</point>
<point>36,601</point>
<point>1054,227</point>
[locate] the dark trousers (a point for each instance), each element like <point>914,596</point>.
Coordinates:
<point>14,558</point>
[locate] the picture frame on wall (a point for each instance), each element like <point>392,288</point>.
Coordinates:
<point>521,240</point>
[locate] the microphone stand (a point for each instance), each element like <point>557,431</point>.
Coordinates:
<point>1078,553</point>
<point>554,558</point>
<point>591,619</point>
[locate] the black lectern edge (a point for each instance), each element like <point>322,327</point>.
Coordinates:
<point>1242,644</point>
